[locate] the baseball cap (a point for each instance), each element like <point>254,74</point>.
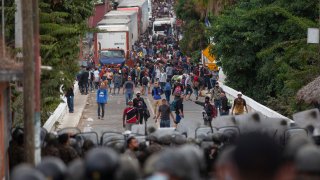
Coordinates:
<point>239,93</point>
<point>138,92</point>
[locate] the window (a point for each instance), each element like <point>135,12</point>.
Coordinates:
<point>112,53</point>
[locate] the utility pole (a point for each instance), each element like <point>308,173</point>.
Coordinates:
<point>37,121</point>
<point>2,30</point>
<point>18,26</point>
<point>28,81</point>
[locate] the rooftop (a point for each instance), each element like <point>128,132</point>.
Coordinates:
<point>132,3</point>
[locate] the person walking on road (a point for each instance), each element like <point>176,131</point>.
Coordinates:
<point>145,82</point>
<point>209,111</point>
<point>239,105</point>
<point>102,99</point>
<point>156,94</point>
<point>85,81</point>
<point>224,110</point>
<point>164,112</point>
<point>216,96</point>
<point>177,107</point>
<point>96,78</point>
<point>140,105</point>
<point>128,89</point>
<point>130,116</point>
<point>70,97</point>
<point>167,90</point>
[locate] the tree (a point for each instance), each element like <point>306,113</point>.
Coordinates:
<point>262,47</point>
<point>62,24</point>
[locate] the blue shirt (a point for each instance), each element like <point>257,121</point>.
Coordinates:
<point>102,96</point>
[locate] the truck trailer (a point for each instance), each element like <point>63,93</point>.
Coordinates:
<point>139,6</point>
<point>132,15</point>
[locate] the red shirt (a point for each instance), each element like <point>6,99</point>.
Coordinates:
<point>132,115</point>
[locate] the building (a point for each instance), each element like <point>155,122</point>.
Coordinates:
<point>9,71</point>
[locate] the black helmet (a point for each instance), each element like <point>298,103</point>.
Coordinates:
<point>101,163</point>
<point>52,168</point>
<point>26,172</point>
<point>76,170</point>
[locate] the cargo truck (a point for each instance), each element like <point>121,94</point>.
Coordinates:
<point>112,46</point>
<point>132,15</point>
<point>139,6</point>
<point>160,25</point>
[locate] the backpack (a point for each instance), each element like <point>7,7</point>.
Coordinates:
<point>145,81</point>
<point>212,109</point>
<point>177,90</point>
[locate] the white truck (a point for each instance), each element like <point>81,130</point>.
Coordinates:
<point>115,42</point>
<point>131,15</point>
<point>160,25</point>
<point>139,6</point>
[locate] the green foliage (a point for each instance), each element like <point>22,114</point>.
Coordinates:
<point>61,28</point>
<point>195,36</point>
<point>262,47</point>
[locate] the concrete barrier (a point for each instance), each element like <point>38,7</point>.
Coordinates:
<point>253,106</point>
<point>60,111</point>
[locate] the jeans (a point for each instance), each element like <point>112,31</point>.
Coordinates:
<point>167,93</point>
<point>224,113</point>
<point>129,95</point>
<point>90,85</point>
<point>164,123</point>
<point>217,103</point>
<point>96,84</point>
<point>196,92</point>
<point>145,90</point>
<point>162,84</point>
<point>70,103</point>
<point>101,106</point>
<point>213,82</point>
<point>85,87</point>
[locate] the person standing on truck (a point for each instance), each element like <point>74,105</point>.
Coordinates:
<point>128,88</point>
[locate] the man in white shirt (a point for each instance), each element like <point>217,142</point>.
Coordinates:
<point>163,79</point>
<point>96,78</point>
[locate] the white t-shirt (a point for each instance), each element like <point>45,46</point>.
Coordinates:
<point>96,75</point>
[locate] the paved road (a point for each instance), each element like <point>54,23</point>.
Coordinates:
<point>113,118</point>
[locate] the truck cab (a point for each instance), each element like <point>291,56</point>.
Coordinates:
<point>161,25</point>
<point>112,58</point>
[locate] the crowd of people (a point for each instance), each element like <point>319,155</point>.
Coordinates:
<point>162,71</point>
<point>171,156</point>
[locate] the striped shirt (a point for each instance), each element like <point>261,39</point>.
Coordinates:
<point>132,114</point>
